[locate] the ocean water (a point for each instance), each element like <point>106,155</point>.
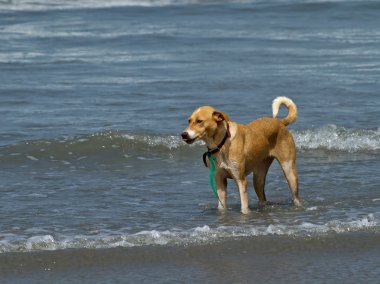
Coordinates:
<point>96,185</point>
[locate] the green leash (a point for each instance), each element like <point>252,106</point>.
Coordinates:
<point>212,160</point>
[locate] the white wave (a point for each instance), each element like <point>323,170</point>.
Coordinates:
<point>170,141</point>
<point>328,138</point>
<point>45,242</point>
<point>199,235</point>
<point>332,137</point>
<point>22,30</point>
<point>43,5</point>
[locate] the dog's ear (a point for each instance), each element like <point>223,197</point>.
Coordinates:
<point>220,116</point>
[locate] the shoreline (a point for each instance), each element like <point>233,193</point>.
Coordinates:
<point>348,257</point>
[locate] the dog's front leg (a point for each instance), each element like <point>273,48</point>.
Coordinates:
<point>243,190</point>
<point>221,183</point>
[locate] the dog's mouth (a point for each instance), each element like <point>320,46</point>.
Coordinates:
<point>188,140</point>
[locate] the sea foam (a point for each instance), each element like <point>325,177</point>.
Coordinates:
<point>45,5</point>
<point>198,235</point>
<point>124,145</point>
<point>332,137</point>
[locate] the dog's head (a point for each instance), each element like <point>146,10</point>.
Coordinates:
<point>203,123</point>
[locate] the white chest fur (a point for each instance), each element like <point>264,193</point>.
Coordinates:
<point>228,165</point>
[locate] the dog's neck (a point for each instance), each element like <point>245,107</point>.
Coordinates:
<point>219,135</point>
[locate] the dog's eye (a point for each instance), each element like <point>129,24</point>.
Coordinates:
<point>199,121</point>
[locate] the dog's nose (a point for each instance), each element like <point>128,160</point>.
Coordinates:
<point>185,135</point>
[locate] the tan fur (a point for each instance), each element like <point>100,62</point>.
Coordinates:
<point>251,148</point>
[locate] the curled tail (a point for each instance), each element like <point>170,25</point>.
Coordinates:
<point>292,109</point>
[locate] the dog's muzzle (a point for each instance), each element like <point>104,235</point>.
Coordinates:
<point>186,137</point>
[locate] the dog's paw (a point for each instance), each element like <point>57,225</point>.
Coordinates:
<point>297,203</point>
<point>222,208</point>
<point>245,211</point>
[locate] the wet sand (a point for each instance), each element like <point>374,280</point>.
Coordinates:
<point>351,258</point>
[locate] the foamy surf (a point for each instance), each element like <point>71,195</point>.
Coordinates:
<point>46,5</point>
<point>335,138</point>
<point>198,235</point>
<point>329,137</point>
<point>122,145</point>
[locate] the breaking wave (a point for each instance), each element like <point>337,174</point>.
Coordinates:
<point>334,138</point>
<point>198,235</point>
<point>46,5</point>
<point>120,145</point>
<point>102,145</point>
<point>43,5</point>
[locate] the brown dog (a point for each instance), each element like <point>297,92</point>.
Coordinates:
<point>242,149</point>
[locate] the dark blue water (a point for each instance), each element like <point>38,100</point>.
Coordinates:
<point>93,95</point>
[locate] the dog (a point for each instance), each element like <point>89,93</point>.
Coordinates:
<point>242,149</point>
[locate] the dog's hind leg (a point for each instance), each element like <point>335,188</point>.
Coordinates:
<point>285,153</point>
<point>290,171</point>
<point>259,176</point>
